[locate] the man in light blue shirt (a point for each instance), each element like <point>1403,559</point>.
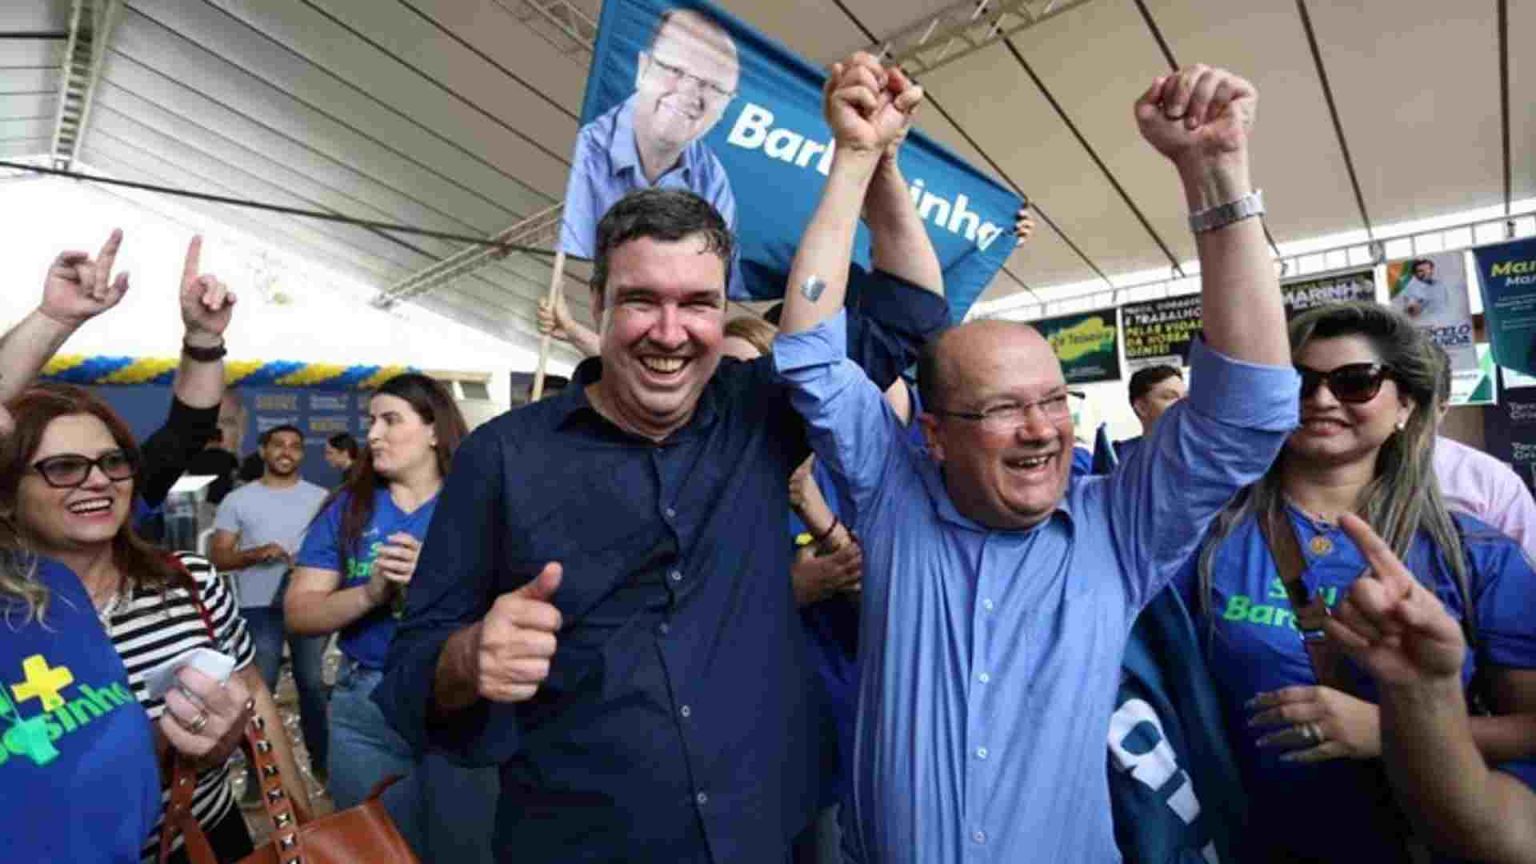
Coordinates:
<point>999,595</point>
<point>683,83</point>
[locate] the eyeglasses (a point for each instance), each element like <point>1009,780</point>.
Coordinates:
<point>70,470</point>
<point>1010,415</point>
<point>678,73</point>
<point>1352,382</point>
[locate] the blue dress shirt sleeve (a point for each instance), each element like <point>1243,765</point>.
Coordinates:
<point>851,428</point>
<point>452,588</point>
<point>582,206</point>
<point>889,321</point>
<point>1201,453</point>
<point>716,189</point>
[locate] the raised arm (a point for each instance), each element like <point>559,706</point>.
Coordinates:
<point>207,306</point>
<point>76,289</point>
<point>899,244</point>
<point>1200,118</point>
<point>866,115</point>
<point>1243,400</point>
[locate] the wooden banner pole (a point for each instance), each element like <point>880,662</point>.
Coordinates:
<point>556,277</point>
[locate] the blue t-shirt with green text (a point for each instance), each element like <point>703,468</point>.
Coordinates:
<point>1338,810</point>
<point>78,759</point>
<point>367,639</point>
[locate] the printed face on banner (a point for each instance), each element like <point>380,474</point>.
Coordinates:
<point>683,83</point>
<point>1431,290</point>
<point>695,99</point>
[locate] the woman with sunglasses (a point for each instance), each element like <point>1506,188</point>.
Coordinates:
<point>1303,723</point>
<point>351,575</point>
<point>68,474</point>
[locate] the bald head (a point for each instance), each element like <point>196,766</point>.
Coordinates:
<point>979,355</point>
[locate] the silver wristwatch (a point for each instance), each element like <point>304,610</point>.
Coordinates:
<point>1223,215</point>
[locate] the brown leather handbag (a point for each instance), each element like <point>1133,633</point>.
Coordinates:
<point>364,833</point>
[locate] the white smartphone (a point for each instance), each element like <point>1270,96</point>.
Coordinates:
<point>214,664</point>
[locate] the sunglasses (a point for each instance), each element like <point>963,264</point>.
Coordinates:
<point>70,470</point>
<point>1352,382</point>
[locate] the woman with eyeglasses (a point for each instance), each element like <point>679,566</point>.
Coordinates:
<point>53,650</point>
<point>1302,720</point>
<point>68,474</point>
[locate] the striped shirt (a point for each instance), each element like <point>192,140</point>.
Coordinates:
<point>155,626</point>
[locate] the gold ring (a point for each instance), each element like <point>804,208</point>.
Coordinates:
<point>1315,732</point>
<point>198,723</point>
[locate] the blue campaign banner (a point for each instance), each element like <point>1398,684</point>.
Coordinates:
<point>686,95</point>
<point>1507,273</point>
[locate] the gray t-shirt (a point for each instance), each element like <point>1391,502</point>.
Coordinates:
<point>261,514</point>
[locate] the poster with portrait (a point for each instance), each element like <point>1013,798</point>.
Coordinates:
<point>1087,345</point>
<point>1159,332</point>
<point>1507,275</point>
<point>686,95</point>
<point>1432,291</point>
<point>1299,295</point>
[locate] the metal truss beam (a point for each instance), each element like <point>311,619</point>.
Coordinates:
<point>542,230</point>
<point>90,28</point>
<point>565,25</point>
<point>962,29</point>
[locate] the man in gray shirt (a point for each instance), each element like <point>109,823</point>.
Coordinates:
<point>256,533</point>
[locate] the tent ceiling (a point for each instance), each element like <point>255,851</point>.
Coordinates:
<point>458,116</point>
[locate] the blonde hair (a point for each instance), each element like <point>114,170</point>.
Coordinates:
<point>754,331</point>
<point>1403,497</point>
<point>18,581</point>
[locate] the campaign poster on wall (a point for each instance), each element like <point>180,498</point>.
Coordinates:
<point>1299,295</point>
<point>686,95</point>
<point>254,410</point>
<point>1507,275</point>
<point>1159,332</point>
<point>1510,427</point>
<point>1086,344</point>
<point>1432,291</point>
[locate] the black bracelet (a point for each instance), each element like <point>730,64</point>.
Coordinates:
<point>204,355</point>
<point>818,539</point>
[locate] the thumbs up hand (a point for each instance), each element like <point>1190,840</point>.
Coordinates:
<point>517,640</point>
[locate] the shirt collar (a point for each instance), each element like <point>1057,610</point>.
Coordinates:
<point>933,480</point>
<point>624,153</point>
<point>572,403</point>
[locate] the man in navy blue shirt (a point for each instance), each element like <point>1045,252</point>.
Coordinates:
<point>601,607</point>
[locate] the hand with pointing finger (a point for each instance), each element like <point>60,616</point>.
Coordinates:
<point>206,303</point>
<point>79,287</point>
<point>516,640</point>
<point>1390,624</point>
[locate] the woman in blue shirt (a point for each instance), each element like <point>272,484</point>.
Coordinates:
<point>70,726</point>
<point>1309,754</point>
<point>351,576</point>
